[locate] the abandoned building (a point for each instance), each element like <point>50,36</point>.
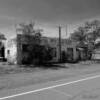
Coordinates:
<point>16,48</point>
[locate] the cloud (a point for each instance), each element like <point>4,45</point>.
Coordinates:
<point>48,12</point>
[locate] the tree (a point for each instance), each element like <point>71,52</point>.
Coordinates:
<point>93,30</point>
<point>79,36</point>
<point>35,52</point>
<point>28,29</point>
<point>87,34</point>
<point>25,29</point>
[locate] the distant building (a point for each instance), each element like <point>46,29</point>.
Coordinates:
<point>11,51</point>
<point>16,46</point>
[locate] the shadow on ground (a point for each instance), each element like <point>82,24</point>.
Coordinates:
<point>47,66</point>
<point>13,69</point>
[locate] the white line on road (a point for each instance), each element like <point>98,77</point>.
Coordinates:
<point>50,87</point>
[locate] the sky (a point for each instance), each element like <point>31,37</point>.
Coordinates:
<point>47,14</point>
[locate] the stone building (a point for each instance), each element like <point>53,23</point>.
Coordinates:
<point>11,51</point>
<point>16,47</point>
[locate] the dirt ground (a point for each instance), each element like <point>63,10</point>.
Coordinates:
<point>93,94</point>
<point>12,76</point>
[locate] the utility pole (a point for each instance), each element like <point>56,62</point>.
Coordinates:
<point>60,58</point>
<point>66,31</point>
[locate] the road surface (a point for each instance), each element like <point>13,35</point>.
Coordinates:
<point>77,88</point>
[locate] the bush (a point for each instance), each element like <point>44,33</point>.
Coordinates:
<point>37,54</point>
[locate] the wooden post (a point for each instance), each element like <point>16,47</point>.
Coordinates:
<point>60,58</point>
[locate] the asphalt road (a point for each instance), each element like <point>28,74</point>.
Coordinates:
<point>67,89</point>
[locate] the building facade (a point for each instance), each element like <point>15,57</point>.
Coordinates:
<point>16,48</point>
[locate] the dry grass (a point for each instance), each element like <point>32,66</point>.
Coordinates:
<point>14,70</point>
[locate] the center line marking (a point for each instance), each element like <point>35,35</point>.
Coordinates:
<point>50,87</point>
